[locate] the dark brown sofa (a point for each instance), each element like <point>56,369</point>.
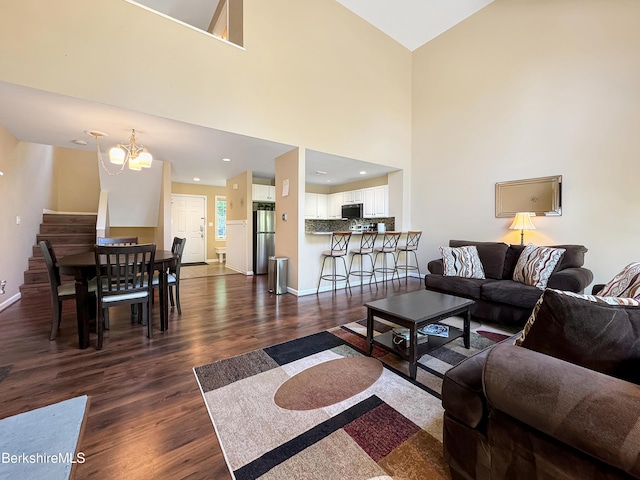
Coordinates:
<point>564,405</point>
<point>499,298</point>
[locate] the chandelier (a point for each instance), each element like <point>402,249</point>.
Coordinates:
<point>132,154</point>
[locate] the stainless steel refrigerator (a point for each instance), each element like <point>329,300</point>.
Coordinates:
<point>264,240</point>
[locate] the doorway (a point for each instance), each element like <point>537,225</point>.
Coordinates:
<point>188,220</point>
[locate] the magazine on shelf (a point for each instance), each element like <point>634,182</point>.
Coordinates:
<point>435,329</point>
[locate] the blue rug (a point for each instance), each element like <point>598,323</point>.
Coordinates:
<point>42,443</point>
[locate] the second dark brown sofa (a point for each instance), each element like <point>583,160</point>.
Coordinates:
<point>499,298</point>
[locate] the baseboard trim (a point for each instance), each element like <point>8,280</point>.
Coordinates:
<point>10,301</point>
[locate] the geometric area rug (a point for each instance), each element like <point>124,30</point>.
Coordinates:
<point>318,408</point>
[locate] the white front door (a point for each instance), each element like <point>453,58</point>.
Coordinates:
<point>188,220</point>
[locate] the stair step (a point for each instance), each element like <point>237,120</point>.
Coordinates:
<point>36,264</point>
<point>73,219</point>
<point>67,238</point>
<point>64,249</point>
<point>35,290</point>
<point>49,228</point>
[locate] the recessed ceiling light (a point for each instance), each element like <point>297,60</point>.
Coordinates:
<point>226,159</point>
<point>318,172</point>
<point>1,174</point>
<point>196,179</point>
<point>363,172</point>
<point>328,181</point>
<point>79,142</point>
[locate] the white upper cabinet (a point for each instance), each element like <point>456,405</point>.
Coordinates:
<point>334,205</point>
<point>353,196</point>
<point>315,206</point>
<point>376,201</point>
<point>263,193</point>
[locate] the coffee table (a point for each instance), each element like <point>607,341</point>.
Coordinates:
<point>415,310</point>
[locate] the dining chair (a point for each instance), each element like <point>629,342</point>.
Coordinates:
<point>174,273</point>
<point>117,241</point>
<point>59,291</point>
<point>124,277</point>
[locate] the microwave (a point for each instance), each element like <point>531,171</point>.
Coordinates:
<point>352,210</point>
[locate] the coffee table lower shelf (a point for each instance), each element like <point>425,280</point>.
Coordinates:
<point>426,344</point>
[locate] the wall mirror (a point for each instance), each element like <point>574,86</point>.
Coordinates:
<point>542,196</point>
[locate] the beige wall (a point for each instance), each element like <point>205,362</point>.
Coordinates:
<point>288,233</point>
<point>210,192</point>
<point>343,89</point>
<point>239,200</point>
<point>26,188</point>
<point>530,89</point>
<point>78,182</point>
<point>370,182</point>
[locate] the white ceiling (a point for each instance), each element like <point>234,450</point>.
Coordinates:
<point>412,23</point>
<point>194,151</point>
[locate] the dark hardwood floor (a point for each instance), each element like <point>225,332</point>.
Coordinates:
<point>147,418</point>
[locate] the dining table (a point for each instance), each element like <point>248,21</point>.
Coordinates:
<point>83,267</point>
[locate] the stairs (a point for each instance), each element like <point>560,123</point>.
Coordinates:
<point>68,234</point>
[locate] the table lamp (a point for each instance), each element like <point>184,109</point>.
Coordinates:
<point>522,222</point>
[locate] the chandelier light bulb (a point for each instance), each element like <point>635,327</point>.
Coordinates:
<point>134,164</point>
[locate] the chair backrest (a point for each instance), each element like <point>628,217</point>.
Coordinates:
<point>340,242</point>
<point>50,260</point>
<point>368,240</point>
<point>118,241</point>
<point>177,248</point>
<point>390,240</point>
<point>413,237</point>
<point>124,269</point>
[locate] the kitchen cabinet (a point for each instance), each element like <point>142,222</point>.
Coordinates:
<point>376,201</point>
<point>353,196</point>
<point>263,193</point>
<point>315,206</point>
<point>334,205</point>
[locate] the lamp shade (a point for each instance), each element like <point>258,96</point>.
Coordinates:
<point>145,159</point>
<point>522,221</point>
<point>116,155</point>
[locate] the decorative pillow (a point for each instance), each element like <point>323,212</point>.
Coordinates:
<point>596,333</point>
<point>536,264</point>
<point>462,262</point>
<point>629,302</point>
<point>624,284</point>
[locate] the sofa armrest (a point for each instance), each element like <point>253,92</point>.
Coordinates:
<point>592,412</point>
<point>597,288</point>
<point>571,279</point>
<point>462,393</point>
<point>436,267</point>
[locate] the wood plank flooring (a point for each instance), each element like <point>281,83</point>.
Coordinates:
<point>147,418</point>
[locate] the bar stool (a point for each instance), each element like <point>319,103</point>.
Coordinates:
<point>339,244</point>
<point>389,246</point>
<point>367,243</point>
<point>411,245</point>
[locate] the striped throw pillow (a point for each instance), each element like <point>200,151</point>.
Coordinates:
<point>536,264</point>
<point>624,284</point>
<point>462,262</point>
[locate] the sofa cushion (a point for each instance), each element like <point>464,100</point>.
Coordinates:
<point>595,335</point>
<point>492,255</point>
<point>461,262</point>
<point>592,298</point>
<point>462,287</point>
<point>536,264</point>
<point>511,293</point>
<point>573,256</point>
<point>625,284</point>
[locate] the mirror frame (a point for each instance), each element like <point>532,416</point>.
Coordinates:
<point>521,188</point>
